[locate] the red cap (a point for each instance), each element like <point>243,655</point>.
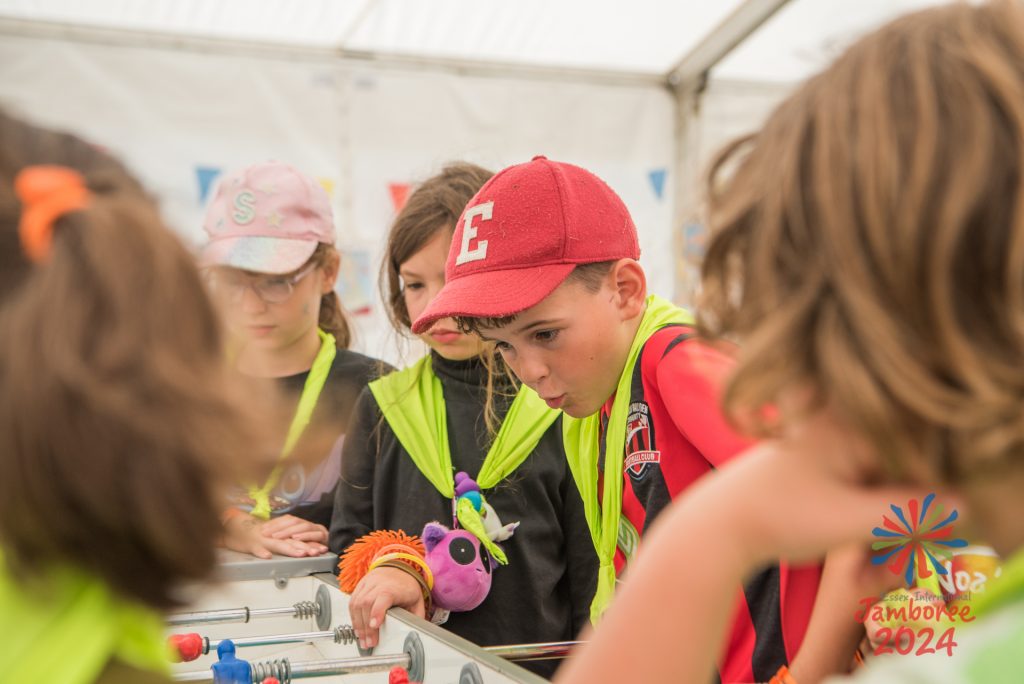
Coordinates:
<point>523,233</point>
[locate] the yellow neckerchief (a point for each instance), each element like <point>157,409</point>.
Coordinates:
<point>68,626</point>
<point>303,413</point>
<point>582,438</point>
<point>412,402</point>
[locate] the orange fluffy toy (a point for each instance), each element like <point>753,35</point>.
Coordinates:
<point>355,562</point>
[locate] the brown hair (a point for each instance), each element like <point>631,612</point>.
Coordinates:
<point>434,206</point>
<point>869,243</point>
<point>332,316</point>
<point>117,420</point>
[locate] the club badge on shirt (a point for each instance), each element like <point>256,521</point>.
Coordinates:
<point>641,455</point>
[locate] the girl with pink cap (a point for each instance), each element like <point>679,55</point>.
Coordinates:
<point>272,266</point>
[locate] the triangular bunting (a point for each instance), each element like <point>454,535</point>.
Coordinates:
<point>206,175</point>
<point>657,178</point>
<point>399,194</point>
<point>328,185</point>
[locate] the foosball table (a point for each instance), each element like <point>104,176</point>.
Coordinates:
<point>285,619</point>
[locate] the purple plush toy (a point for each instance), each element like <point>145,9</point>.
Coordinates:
<point>461,567</point>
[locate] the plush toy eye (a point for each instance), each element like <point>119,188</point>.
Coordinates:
<point>485,558</point>
<point>462,552</point>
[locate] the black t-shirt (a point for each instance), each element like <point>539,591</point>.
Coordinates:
<point>306,485</point>
<point>544,592</point>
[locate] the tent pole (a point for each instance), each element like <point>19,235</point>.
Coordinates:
<point>720,41</point>
<point>688,79</point>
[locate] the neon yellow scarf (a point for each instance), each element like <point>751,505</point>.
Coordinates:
<point>303,413</point>
<point>582,447</point>
<point>68,626</point>
<point>412,402</point>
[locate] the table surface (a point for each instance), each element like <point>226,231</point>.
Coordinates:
<point>235,566</point>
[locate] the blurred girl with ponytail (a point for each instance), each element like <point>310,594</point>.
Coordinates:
<point>114,393</point>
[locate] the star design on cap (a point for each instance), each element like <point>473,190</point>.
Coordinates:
<point>274,219</point>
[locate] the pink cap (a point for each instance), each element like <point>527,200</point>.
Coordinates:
<point>267,218</point>
<point>523,234</point>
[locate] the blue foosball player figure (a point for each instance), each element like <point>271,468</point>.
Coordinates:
<point>228,669</point>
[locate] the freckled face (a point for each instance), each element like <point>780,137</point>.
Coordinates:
<point>570,348</point>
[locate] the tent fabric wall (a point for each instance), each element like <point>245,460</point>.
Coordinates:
<point>179,118</point>
<point>722,112</point>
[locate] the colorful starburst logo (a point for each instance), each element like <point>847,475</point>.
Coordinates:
<point>916,545</point>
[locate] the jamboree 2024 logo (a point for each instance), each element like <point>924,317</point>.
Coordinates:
<point>917,544</point>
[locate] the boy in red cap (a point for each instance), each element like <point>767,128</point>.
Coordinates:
<point>544,262</point>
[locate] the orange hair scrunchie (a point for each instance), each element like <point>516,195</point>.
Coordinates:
<point>46,194</point>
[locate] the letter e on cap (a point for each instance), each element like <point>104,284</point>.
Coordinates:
<point>484,211</point>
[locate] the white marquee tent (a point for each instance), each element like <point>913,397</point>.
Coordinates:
<point>370,96</point>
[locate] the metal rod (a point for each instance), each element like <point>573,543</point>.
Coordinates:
<point>270,612</point>
<point>546,651</point>
<point>319,668</point>
<point>273,639</point>
<point>315,668</point>
<point>342,634</point>
<point>243,615</point>
<point>209,617</point>
<point>511,652</point>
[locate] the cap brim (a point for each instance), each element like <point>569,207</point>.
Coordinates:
<point>493,294</point>
<point>259,254</point>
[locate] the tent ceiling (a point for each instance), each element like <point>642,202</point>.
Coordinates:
<point>639,37</point>
<point>803,36</point>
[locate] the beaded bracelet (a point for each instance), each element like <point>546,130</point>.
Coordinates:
<point>396,548</point>
<point>428,576</point>
<point>428,599</point>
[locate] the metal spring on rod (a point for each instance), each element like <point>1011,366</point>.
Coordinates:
<point>345,634</point>
<point>282,669</point>
<point>306,609</point>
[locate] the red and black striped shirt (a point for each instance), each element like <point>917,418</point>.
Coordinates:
<point>675,433</point>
